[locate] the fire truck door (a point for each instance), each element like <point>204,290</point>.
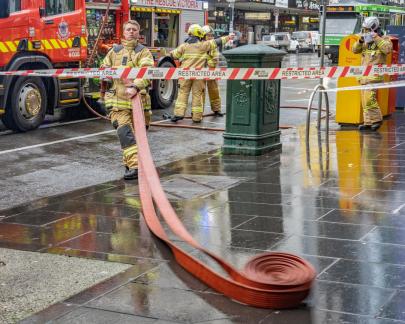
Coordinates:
<point>63,30</point>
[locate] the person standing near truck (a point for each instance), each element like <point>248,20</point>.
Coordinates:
<point>118,97</point>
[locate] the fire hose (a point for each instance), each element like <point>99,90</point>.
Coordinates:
<point>269,280</point>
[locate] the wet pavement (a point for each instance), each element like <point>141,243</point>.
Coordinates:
<point>86,152</point>
<point>340,206</point>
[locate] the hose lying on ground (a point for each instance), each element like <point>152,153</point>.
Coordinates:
<point>269,280</point>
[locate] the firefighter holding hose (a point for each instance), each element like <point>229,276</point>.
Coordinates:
<point>118,97</point>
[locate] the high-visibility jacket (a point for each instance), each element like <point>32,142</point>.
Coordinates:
<point>128,54</point>
<point>193,53</point>
<point>373,53</point>
<point>213,58</point>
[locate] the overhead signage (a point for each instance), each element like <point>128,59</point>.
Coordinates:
<point>339,8</point>
<point>257,15</point>
<point>282,3</point>
<point>304,4</point>
<point>174,4</point>
<point>272,2</point>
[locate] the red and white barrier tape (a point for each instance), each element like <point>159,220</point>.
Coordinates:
<point>370,86</point>
<point>218,73</point>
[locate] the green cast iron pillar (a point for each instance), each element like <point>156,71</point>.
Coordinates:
<point>252,106</point>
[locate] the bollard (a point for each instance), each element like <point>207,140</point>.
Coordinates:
<point>251,37</point>
<point>252,106</point>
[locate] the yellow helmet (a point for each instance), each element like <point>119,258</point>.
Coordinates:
<point>196,30</point>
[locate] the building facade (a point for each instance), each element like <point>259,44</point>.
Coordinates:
<point>264,16</point>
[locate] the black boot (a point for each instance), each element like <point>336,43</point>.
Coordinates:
<point>363,128</point>
<point>218,114</point>
<point>130,174</point>
<point>376,126</point>
<point>175,118</point>
<point>166,116</point>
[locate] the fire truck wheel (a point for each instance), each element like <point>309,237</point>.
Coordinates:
<point>164,91</point>
<point>27,105</point>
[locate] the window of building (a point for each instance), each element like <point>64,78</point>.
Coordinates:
<point>57,7</point>
<point>15,5</point>
<point>166,30</point>
<point>145,21</point>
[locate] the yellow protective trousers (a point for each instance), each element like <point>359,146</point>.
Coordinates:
<point>213,93</point>
<point>196,87</point>
<point>371,109</point>
<point>122,122</point>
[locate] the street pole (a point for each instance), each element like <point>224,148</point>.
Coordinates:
<point>322,49</point>
<point>232,6</point>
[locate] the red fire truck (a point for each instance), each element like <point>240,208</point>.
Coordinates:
<point>48,34</point>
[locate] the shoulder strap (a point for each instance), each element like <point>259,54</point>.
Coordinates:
<point>117,47</point>
<point>138,48</point>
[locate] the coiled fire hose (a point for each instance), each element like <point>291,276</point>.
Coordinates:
<point>269,280</point>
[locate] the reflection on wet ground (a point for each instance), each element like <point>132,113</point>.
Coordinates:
<point>343,210</point>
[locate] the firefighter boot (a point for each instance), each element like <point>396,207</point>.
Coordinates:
<point>363,128</point>
<point>130,174</point>
<point>218,114</point>
<point>175,118</point>
<point>376,126</point>
<point>166,116</point>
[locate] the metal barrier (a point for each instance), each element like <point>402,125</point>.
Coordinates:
<point>311,99</point>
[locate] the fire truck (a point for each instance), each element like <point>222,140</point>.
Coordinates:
<point>51,34</point>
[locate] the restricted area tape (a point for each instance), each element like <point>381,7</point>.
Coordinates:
<point>371,86</point>
<point>217,73</point>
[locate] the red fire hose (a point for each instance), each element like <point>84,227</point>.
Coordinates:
<point>269,280</point>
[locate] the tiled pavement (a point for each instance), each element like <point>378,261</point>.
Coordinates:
<point>345,214</point>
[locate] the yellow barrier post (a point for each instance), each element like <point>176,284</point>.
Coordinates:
<point>348,103</point>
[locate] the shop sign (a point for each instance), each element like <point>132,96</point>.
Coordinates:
<point>174,4</point>
<point>257,15</point>
<point>282,3</point>
<point>304,4</point>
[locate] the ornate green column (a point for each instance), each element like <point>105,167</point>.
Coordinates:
<point>252,106</point>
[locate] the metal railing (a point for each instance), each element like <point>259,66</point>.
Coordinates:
<point>318,88</point>
<point>311,99</point>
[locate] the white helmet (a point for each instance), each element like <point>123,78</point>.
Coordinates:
<point>371,23</point>
<point>207,30</point>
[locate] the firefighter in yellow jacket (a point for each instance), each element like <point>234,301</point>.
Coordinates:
<point>212,62</point>
<point>193,54</point>
<point>374,49</point>
<point>118,97</point>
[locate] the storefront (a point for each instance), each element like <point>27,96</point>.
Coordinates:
<point>164,23</point>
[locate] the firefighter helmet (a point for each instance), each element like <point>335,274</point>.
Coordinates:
<point>371,23</point>
<point>207,30</point>
<point>195,30</point>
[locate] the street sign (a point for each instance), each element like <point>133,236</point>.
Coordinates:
<point>275,11</point>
